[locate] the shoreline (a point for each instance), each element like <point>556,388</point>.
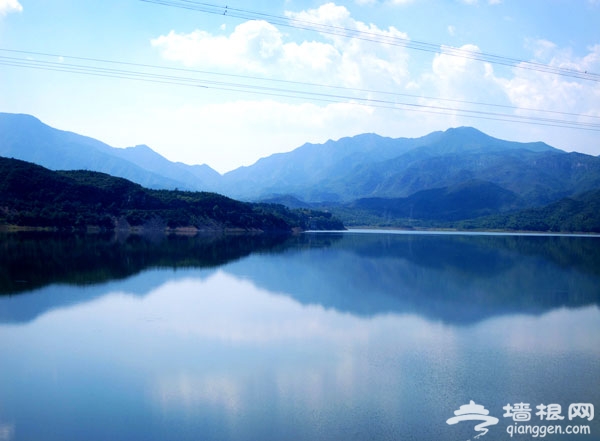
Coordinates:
<point>191,231</point>
<point>449,231</point>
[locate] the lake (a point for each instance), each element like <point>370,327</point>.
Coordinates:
<point>319,336</point>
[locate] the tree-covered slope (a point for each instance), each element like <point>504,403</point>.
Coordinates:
<point>580,213</point>
<point>34,196</point>
<point>464,201</point>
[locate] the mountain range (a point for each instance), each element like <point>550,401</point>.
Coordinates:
<point>457,174</point>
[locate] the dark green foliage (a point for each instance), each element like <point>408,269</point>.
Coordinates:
<point>304,218</point>
<point>464,201</point>
<point>580,213</point>
<point>33,196</point>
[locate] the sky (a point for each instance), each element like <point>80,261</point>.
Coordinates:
<point>240,80</point>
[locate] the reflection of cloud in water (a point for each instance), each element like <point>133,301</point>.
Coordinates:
<point>226,308</point>
<point>313,351</point>
<point>189,391</point>
<point>218,348</point>
<point>7,431</point>
<point>575,330</point>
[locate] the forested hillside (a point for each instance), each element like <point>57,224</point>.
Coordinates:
<point>33,196</point>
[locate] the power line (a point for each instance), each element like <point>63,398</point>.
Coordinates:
<point>296,83</point>
<point>279,88</point>
<point>376,37</point>
<point>290,82</point>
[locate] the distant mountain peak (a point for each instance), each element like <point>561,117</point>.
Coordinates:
<point>141,147</point>
<point>19,116</point>
<point>467,132</point>
<point>464,129</point>
<point>27,138</point>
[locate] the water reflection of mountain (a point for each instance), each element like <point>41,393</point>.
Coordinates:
<point>50,271</point>
<point>33,260</point>
<point>454,278</point>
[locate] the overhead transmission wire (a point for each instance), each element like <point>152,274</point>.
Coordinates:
<point>170,75</point>
<point>376,37</point>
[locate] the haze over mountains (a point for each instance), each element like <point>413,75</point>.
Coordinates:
<point>460,173</point>
<point>27,138</point>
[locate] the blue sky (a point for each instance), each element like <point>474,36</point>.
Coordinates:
<point>227,128</point>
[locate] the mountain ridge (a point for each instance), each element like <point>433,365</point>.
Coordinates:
<point>336,173</point>
<point>27,138</point>
<point>331,181</point>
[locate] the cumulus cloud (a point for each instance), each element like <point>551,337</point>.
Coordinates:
<point>451,84</point>
<point>458,77</point>
<point>258,47</point>
<point>533,89</point>
<point>462,78</point>
<point>365,63</point>
<point>8,6</point>
<point>251,46</point>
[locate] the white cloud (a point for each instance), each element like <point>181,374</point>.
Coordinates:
<point>7,6</point>
<point>363,64</point>
<point>251,46</point>
<point>459,77</point>
<point>542,49</point>
<point>328,13</point>
<point>451,30</point>
<point>258,47</point>
<point>529,89</point>
<point>533,89</point>
<point>476,2</point>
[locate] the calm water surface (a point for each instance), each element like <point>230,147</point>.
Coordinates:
<point>329,336</point>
